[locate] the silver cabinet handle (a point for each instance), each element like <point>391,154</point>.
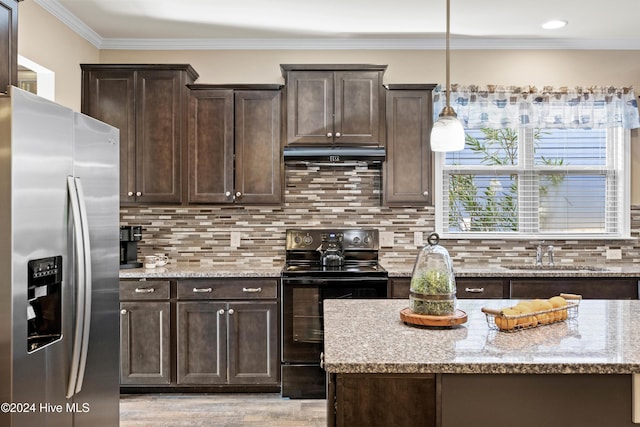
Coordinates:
<point>227,193</point>
<point>123,311</point>
<point>231,311</point>
<point>238,194</point>
<point>338,134</point>
<point>145,290</point>
<point>474,290</point>
<point>329,134</point>
<point>221,311</point>
<point>202,290</point>
<point>251,290</point>
<point>425,194</point>
<point>130,193</point>
<point>138,193</point>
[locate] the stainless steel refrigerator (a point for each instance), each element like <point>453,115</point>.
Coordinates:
<point>59,261</point>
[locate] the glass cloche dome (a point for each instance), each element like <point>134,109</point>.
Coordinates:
<point>433,285</point>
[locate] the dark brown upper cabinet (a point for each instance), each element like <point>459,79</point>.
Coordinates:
<point>408,170</point>
<point>335,104</point>
<point>235,144</point>
<point>148,103</point>
<point>8,43</point>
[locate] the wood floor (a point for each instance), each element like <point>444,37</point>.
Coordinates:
<point>220,409</point>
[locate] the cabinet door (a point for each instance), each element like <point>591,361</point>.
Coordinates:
<point>385,400</point>
<point>145,340</point>
<point>8,44</point>
<point>253,343</point>
<point>109,96</point>
<point>210,146</point>
<point>258,165</point>
<point>357,107</point>
<point>202,343</point>
<point>588,287</point>
<point>310,107</point>
<point>408,169</point>
<point>158,135</point>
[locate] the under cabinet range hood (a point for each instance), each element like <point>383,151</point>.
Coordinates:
<point>336,156</point>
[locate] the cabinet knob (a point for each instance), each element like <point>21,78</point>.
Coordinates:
<point>228,193</point>
<point>221,311</point>
<point>238,195</point>
<point>138,193</point>
<point>231,311</point>
<point>329,134</point>
<point>338,134</point>
<point>123,311</point>
<point>425,194</point>
<point>130,194</point>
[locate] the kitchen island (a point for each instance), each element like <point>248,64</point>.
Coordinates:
<point>579,372</point>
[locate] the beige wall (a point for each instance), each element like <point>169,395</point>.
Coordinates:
<point>45,40</point>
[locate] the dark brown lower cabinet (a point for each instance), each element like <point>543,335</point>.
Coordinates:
<point>467,288</point>
<point>227,342</point>
<point>383,400</point>
<point>531,287</point>
<point>588,287</point>
<point>145,337</point>
<point>200,334</point>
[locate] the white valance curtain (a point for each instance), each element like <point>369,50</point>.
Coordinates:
<point>509,106</point>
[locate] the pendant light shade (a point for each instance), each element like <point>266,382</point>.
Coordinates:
<point>447,133</point>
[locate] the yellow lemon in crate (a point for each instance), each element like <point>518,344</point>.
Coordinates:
<point>525,308</point>
<point>558,302</point>
<point>504,323</point>
<point>543,305</point>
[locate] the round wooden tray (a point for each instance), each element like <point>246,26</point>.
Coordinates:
<point>457,318</point>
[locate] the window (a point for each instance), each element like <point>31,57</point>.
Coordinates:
<point>536,182</point>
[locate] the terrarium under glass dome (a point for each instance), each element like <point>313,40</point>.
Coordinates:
<point>433,284</point>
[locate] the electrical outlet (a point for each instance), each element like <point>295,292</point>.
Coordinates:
<point>614,254</point>
<point>235,239</point>
<point>417,238</point>
<point>387,239</point>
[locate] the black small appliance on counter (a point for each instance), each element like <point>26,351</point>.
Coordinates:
<point>129,237</point>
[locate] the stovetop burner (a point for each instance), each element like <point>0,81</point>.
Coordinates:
<point>309,250</point>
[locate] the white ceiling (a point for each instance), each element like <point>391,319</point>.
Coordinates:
<point>343,24</point>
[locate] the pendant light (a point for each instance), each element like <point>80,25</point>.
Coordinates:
<point>447,133</point>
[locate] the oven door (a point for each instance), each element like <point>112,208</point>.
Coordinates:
<point>302,321</point>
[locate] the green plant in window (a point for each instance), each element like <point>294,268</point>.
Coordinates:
<point>492,206</point>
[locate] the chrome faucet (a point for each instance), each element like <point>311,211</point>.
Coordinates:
<point>550,254</point>
<point>539,256</point>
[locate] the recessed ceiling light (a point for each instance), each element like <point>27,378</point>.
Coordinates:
<point>553,25</point>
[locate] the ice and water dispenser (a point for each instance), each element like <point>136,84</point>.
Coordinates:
<point>44,305</point>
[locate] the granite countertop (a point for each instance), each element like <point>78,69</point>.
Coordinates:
<point>367,336</point>
<point>525,270</point>
<point>181,271</point>
<point>178,271</point>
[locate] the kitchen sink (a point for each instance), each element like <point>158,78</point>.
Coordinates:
<point>560,267</point>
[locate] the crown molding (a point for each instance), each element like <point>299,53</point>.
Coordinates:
<point>437,43</point>
<point>428,43</point>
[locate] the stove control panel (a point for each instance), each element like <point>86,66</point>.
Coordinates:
<point>312,239</point>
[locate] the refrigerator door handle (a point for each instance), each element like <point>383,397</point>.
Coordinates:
<point>83,286</point>
<point>88,284</point>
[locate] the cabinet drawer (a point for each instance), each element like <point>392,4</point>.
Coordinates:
<point>228,289</point>
<point>479,288</point>
<point>588,287</point>
<point>144,289</point>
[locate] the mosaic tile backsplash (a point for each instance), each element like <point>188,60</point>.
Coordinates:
<point>326,197</point>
